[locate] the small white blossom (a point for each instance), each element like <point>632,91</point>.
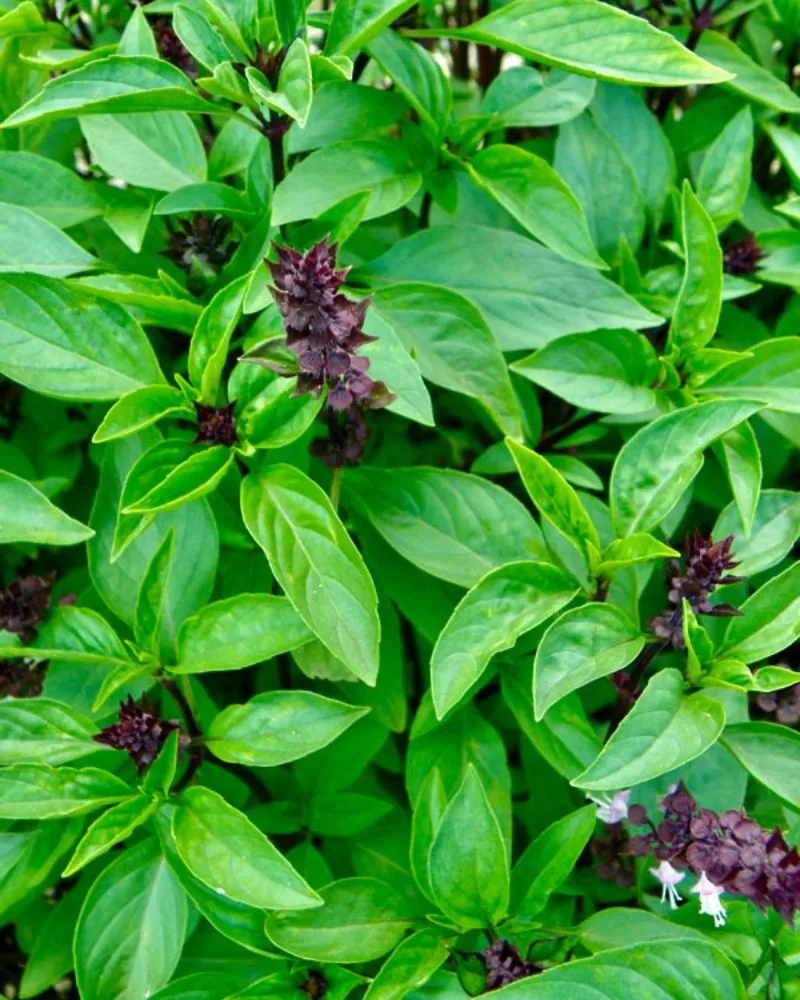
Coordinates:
<point>669,877</point>
<point>612,809</point>
<point>710,902</point>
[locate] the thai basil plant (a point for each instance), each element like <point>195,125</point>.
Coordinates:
<point>399,499</point>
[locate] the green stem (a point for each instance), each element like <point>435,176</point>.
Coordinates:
<point>336,488</point>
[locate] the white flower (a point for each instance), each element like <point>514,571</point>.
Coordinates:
<point>612,810</point>
<point>669,877</point>
<point>709,899</point>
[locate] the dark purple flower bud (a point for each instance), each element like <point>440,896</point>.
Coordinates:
<point>743,257</point>
<point>637,815</point>
<point>171,48</point>
<point>205,238</point>
<point>23,604</point>
<point>215,425</point>
<point>315,985</point>
<point>21,678</point>
<point>505,965</point>
<point>139,732</point>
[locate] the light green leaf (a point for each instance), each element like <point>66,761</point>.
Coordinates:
<point>28,516</point>
<point>775,529</point>
<point>581,646</point>
<point>47,189</point>
<point>139,409</point>
<point>520,97</point>
<point>115,825</point>
<point>197,476</point>
<point>409,967</point>
<point>769,620</point>
<point>741,459</point>
<point>218,199</point>
<point>771,753</point>
<point>505,604</point>
<point>631,551</point>
<point>356,22</point>
<point>316,563</point>
<point>38,791</point>
<point>29,243</point>
<point>396,363</point>
<point>211,339</point>
<point>664,730</point>
<point>275,416</point>
<point>38,730</point>
<point>293,96</point>
<point>771,374</point>
<point>724,178</point>
<point>198,36</point>
<point>417,76</point>
<point>746,77</point>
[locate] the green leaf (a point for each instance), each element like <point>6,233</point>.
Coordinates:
<point>47,189</point>
<point>291,18</point>
<point>579,647</point>
<point>398,366</point>
<point>119,84</point>
<point>467,863</point>
<point>38,730</point>
<point>221,847</point>
<point>592,38</point>
<point>29,243</point>
<point>62,342</point>
<point>279,726</point>
<point>28,516</point>
<point>341,111</point>
<point>293,96</point>
<point>386,168</point>
<point>528,294</point>
<point>453,346</point>
<point>316,563</point>
<point>746,77</point>
<point>152,598</point>
<point>139,409</point>
<point>275,416</point>
<point>115,825</point>
<point>547,862</point>
<point>131,929</point>
<point>556,500</point>
<point>520,97</point>
<point>238,632</point>
<point>428,810</point>
<point>664,730</point>
<point>630,551</point>
<point>452,525</point>
<point>198,36</point>
<point>768,622</point>
<point>609,372</point>
<point>51,959</point>
<point>657,465</point>
<point>208,351</point>
<point>28,862</point>
<point>362,919</point>
<point>771,753</point>
<point>195,477</point>
<point>409,967</point>
<point>160,774</point>
<point>219,199</point>
<point>505,604</point>
<point>724,178</point>
<point>775,529</point>
<point>356,22</point>
<point>694,321</point>
<point>38,791</point>
<point>529,188</point>
<point>741,459</point>
<point>771,375</point>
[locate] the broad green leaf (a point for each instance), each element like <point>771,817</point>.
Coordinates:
<point>275,416</point>
<point>505,604</point>
<point>417,76</point>
<point>581,646</point>
<point>604,183</point>
<point>453,346</point>
<point>630,551</point>
<point>293,96</point>
<point>528,294</point>
<point>745,76</point>
<point>409,967</point>
<point>684,969</point>
<point>238,632</point>
<point>131,929</point>
<point>657,465</point>
<point>617,927</point>
<point>341,111</point>
<point>219,199</point>
<point>212,336</point>
<point>592,38</point>
<point>397,365</point>
<point>547,862</point>
<point>450,524</point>
<point>769,620</point>
<point>63,342</point>
<point>47,189</point>
<point>356,22</point>
<point>115,825</point>
<point>28,516</point>
<point>664,730</point>
<point>609,372</point>
<point>142,408</point>
<point>741,459</point>
<point>556,500</point>
<point>771,753</point>
<point>198,36</point>
<point>221,847</point>
<point>159,151</point>
<point>38,791</point>
<point>195,477</point>
<point>775,529</point>
<point>520,97</point>
<point>529,188</point>
<point>362,919</point>
<point>724,177</point>
<point>51,959</point>
<point>118,84</point>
<point>771,374</point>
<point>386,168</point>
<point>694,321</point>
<point>39,730</point>
<point>316,563</point>
<point>467,864</point>
<point>29,243</point>
<point>279,726</point>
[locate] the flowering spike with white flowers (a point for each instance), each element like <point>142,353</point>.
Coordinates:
<point>612,809</point>
<point>669,878</point>
<point>710,902</point>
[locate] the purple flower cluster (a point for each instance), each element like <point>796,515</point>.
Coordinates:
<point>23,604</point>
<point>743,257</point>
<point>505,965</point>
<point>139,732</point>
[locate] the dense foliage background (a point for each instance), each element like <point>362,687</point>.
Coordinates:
<point>399,406</point>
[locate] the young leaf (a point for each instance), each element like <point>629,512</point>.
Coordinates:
<point>428,810</point>
<point>354,25</point>
<point>41,731</point>
<point>468,862</point>
<point>417,76</point>
<point>409,967</point>
<point>195,477</point>
<point>741,459</point>
<point>770,373</point>
<point>664,730</point>
<point>116,824</point>
<point>631,551</point>
<point>211,338</point>
<point>769,620</point>
<point>316,563</point>
<point>28,516</point>
<point>139,409</point>
<point>293,96</point>
<point>38,791</point>
<point>724,178</point>
<point>150,603</point>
